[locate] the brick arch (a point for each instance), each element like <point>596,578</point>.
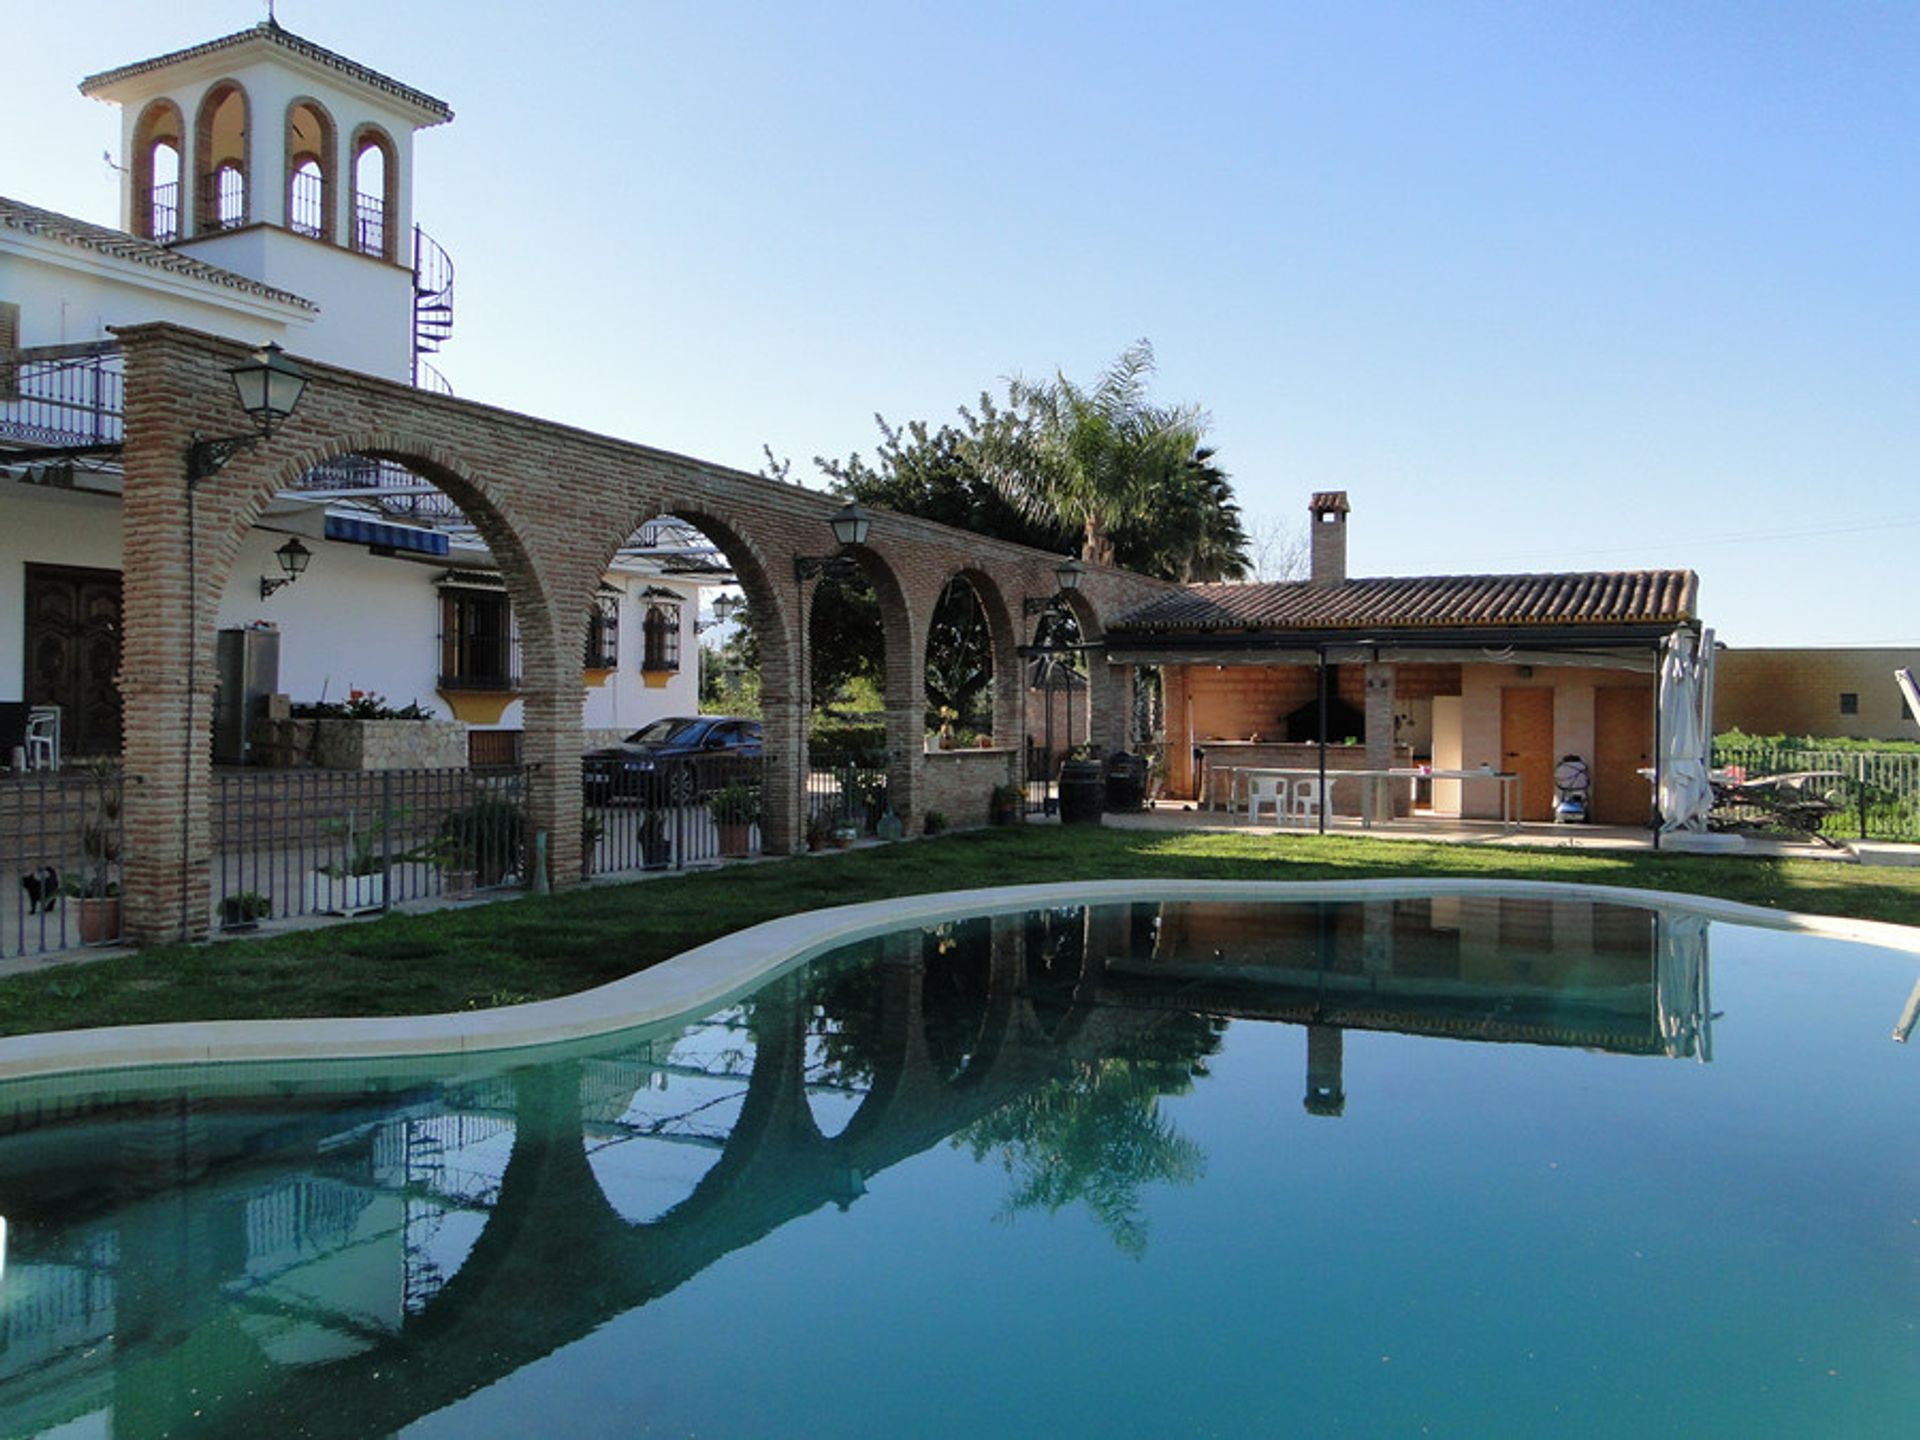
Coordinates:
<point>903,632</point>
<point>207,166</point>
<point>1003,632</point>
<point>324,150</point>
<point>160,123</point>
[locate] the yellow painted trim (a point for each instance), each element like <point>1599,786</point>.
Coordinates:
<point>656,679</point>
<point>479,707</point>
<point>595,678</point>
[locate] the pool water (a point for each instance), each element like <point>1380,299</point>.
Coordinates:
<point>1452,1166</point>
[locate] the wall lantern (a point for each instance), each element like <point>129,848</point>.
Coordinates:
<point>725,607</point>
<point>293,558</point>
<point>1067,574</point>
<point>269,388</point>
<point>850,525</point>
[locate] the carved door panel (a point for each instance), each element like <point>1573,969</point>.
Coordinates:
<point>73,653</point>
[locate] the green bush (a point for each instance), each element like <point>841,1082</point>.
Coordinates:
<point>488,837</point>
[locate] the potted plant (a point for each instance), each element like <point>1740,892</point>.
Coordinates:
<point>656,849</point>
<point>245,910</point>
<point>735,810</point>
<point>820,828</point>
<point>944,737</point>
<point>357,882</point>
<point>844,836</point>
<point>935,822</point>
<point>489,837</point>
<point>1006,805</point>
<point>96,894</point>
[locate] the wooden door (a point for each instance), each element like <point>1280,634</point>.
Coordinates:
<point>73,653</point>
<point>1622,747</point>
<point>1526,746</point>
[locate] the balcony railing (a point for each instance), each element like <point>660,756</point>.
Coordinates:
<point>306,204</point>
<point>164,212</point>
<point>63,395</point>
<point>223,199</point>
<point>370,225</point>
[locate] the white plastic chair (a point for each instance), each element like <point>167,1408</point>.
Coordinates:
<point>1266,790</point>
<point>1308,799</point>
<point>43,738</point>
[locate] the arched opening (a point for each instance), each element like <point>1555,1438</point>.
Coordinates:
<point>386,596</point>
<point>310,149</point>
<point>1058,701</point>
<point>865,722</point>
<point>959,670</point>
<point>222,131</point>
<point>674,748</point>
<point>376,181</point>
<point>158,139</point>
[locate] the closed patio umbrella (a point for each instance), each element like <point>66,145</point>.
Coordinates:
<point>1680,985</point>
<point>1686,790</point>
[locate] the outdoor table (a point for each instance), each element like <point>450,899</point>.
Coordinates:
<point>1238,775</point>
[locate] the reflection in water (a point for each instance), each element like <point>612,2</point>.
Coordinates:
<point>342,1252</point>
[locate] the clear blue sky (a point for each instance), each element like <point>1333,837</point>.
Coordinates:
<point>1542,286</point>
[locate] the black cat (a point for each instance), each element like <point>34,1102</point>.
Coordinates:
<point>42,887</point>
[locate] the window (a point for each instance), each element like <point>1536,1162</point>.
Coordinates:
<point>603,633</point>
<point>661,631</point>
<point>1849,703</point>
<point>479,645</point>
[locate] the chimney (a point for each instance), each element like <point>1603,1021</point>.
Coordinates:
<point>1328,544</point>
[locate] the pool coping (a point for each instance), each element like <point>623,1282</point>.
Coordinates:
<point>708,974</point>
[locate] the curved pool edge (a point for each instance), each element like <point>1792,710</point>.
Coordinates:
<point>711,973</point>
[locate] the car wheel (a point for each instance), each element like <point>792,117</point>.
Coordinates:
<point>682,788</point>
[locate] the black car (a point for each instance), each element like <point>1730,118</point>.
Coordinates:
<point>672,761</point>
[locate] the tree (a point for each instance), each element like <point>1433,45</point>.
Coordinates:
<point>1097,458</point>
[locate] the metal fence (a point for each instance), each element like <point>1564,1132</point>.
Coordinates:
<point>344,842</point>
<point>60,841</point>
<point>846,789</point>
<point>671,814</point>
<point>1875,793</point>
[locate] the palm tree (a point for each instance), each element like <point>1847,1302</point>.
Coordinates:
<point>1096,458</point>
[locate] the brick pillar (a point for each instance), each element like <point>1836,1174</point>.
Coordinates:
<point>166,670</point>
<point>785,702</point>
<point>1110,701</point>
<point>550,745</point>
<point>1379,713</point>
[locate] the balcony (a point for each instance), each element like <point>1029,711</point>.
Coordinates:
<point>63,397</point>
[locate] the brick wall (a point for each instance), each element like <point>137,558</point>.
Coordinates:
<point>554,504</point>
<point>959,783</point>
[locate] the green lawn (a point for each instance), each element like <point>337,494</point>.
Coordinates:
<point>536,948</point>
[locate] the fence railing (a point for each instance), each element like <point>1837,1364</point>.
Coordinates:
<point>847,788</point>
<point>1875,793</point>
<point>672,813</point>
<point>60,843</point>
<point>330,842</point>
<point>72,397</point>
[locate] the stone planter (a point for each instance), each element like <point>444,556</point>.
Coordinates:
<point>459,884</point>
<point>389,745</point>
<point>345,894</point>
<point>736,839</point>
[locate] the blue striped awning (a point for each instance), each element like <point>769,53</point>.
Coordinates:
<point>388,537</point>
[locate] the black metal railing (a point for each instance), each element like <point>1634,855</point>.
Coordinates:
<point>396,490</point>
<point>60,857</point>
<point>306,204</point>
<point>370,225</point>
<point>325,842</point>
<point>64,395</point>
<point>163,212</point>
<point>684,811</point>
<point>223,199</point>
<point>846,789</point>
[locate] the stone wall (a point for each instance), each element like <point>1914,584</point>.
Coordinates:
<point>1800,692</point>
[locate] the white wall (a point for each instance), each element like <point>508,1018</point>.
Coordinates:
<point>627,701</point>
<point>68,294</point>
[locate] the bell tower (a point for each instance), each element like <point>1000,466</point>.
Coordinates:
<point>273,157</point>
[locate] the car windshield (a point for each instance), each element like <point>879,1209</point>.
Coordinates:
<point>663,732</point>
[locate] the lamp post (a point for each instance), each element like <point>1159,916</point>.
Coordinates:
<point>1067,574</point>
<point>269,388</point>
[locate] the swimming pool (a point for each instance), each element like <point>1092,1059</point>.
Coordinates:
<point>1465,1162</point>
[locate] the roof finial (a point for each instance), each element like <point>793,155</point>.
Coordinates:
<point>270,16</point>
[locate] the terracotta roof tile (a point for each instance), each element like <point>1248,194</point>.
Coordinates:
<point>1615,597</point>
<point>436,111</point>
<point>32,220</point>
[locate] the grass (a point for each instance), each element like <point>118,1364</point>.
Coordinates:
<point>537,948</point>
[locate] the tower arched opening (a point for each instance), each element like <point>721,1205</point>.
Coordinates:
<point>222,135</point>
